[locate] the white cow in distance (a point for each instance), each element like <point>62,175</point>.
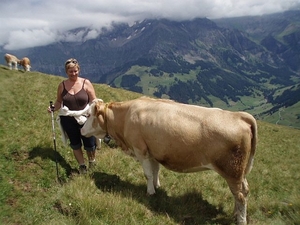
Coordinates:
<point>11,61</point>
<point>183,138</point>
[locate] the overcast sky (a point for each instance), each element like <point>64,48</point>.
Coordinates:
<point>29,23</point>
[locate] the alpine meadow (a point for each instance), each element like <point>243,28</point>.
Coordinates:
<point>114,192</point>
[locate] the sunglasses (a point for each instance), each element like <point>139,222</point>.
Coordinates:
<point>71,61</point>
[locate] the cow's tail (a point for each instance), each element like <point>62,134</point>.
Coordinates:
<point>253,144</point>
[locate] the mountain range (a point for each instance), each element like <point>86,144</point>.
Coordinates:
<point>244,63</point>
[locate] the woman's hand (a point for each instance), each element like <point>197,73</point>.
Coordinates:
<point>50,109</point>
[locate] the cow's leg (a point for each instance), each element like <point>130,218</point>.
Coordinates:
<point>150,168</point>
<point>146,164</point>
<point>155,169</point>
<point>240,191</point>
<point>9,65</point>
<point>16,66</point>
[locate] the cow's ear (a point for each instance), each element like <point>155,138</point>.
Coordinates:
<point>93,109</point>
<point>97,109</point>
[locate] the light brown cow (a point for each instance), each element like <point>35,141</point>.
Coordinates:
<point>25,63</point>
<point>183,138</point>
<point>11,61</point>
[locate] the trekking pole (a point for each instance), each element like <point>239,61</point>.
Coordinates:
<point>54,139</point>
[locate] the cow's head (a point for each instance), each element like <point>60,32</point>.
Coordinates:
<point>94,125</point>
<point>27,67</point>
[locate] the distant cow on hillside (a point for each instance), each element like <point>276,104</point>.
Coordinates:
<point>183,138</point>
<point>25,63</point>
<point>11,61</point>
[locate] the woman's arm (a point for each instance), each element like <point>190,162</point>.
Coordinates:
<point>90,90</point>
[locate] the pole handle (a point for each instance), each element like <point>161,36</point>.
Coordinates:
<point>52,106</point>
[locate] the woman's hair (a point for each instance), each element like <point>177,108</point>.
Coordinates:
<point>71,63</point>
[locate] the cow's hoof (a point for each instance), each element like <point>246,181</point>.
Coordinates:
<point>151,193</point>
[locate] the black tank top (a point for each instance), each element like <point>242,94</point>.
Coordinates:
<point>77,101</point>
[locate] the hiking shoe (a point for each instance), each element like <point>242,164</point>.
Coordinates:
<point>82,169</point>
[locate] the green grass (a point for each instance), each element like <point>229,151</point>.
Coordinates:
<point>115,191</point>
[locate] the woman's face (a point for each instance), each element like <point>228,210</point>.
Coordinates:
<point>73,73</point>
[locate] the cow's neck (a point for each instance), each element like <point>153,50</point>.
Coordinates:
<point>114,128</point>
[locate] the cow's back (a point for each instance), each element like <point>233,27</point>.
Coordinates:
<point>10,58</point>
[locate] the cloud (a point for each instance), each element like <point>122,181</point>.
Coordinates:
<point>29,23</point>
<point>30,38</point>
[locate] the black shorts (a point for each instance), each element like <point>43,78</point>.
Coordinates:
<point>72,128</point>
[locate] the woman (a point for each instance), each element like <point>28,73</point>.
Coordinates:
<point>76,93</point>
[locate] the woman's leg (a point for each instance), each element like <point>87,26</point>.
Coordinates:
<point>90,147</point>
<point>91,155</point>
<point>80,159</point>
<point>72,128</point>
<point>79,156</point>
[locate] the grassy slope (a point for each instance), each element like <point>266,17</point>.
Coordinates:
<point>115,192</point>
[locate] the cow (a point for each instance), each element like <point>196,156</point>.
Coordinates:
<point>25,63</point>
<point>11,61</point>
<point>183,138</point>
